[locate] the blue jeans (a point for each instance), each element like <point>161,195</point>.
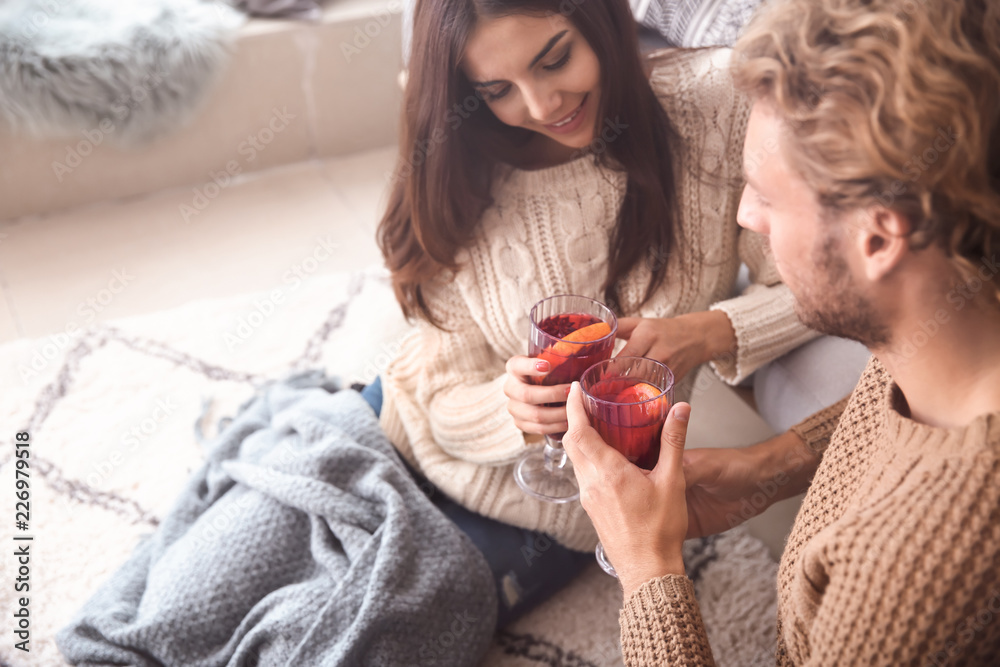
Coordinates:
<point>528,567</point>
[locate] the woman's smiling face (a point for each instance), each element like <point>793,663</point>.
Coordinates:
<point>537,72</point>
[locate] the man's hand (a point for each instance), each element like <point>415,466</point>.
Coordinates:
<point>641,516</point>
<point>725,487</point>
<point>682,343</point>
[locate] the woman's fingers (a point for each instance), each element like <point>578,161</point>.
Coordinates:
<point>527,367</point>
<point>636,331</point>
<point>540,420</point>
<point>529,403</point>
<point>639,344</point>
<point>536,414</point>
<point>521,392</point>
<point>541,429</point>
<point>626,325</point>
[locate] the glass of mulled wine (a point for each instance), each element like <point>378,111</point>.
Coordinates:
<point>627,400</point>
<point>572,333</point>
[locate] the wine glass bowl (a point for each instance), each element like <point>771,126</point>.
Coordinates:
<point>571,333</point>
<point>627,400</point>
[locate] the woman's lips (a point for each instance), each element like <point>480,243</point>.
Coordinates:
<point>572,121</point>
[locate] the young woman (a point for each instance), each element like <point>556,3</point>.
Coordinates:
<point>540,155</point>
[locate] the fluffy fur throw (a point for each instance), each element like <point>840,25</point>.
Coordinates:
<point>130,70</point>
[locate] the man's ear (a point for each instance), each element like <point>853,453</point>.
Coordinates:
<point>883,241</point>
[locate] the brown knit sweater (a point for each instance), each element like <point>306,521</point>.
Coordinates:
<point>894,558</point>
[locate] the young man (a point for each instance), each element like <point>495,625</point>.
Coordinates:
<point>872,159</point>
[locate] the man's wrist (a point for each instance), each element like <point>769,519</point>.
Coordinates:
<point>633,578</point>
<point>786,464</point>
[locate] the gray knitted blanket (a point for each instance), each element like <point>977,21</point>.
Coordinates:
<point>302,541</point>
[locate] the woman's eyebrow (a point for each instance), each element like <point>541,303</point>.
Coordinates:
<point>541,54</point>
<point>547,48</point>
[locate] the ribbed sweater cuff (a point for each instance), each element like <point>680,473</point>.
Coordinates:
<point>766,328</point>
<point>817,430</point>
<point>661,625</point>
<point>472,423</point>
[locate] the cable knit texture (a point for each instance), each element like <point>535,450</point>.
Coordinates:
<point>547,233</point>
<point>894,558</point>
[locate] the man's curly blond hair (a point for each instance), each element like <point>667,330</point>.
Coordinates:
<point>891,102</point>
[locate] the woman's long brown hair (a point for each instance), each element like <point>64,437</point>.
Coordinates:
<point>449,143</point>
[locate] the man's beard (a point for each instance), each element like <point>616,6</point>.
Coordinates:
<point>836,306</point>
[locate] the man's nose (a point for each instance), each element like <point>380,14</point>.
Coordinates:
<point>749,214</point>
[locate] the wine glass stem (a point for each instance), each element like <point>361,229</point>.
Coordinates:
<point>555,455</point>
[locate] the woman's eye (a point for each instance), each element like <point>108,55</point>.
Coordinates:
<point>559,63</point>
<point>491,95</point>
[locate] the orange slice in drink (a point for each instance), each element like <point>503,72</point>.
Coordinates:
<point>569,344</point>
<point>643,391</point>
<point>637,393</point>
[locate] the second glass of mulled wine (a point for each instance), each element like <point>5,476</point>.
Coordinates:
<point>627,400</point>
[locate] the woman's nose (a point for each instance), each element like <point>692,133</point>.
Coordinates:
<point>543,103</point>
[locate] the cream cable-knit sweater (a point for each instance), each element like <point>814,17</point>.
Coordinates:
<point>547,233</point>
<point>894,558</point>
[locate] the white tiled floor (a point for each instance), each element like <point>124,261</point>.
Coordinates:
<point>59,270</point>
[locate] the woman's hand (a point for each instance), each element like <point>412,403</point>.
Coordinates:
<point>682,343</point>
<point>525,401</point>
<point>641,516</point>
